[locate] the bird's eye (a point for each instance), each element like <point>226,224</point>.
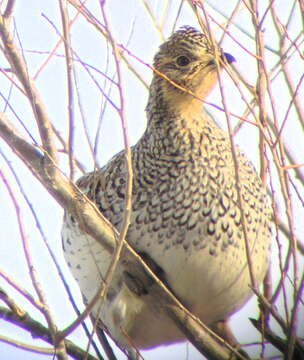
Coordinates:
<point>182,60</point>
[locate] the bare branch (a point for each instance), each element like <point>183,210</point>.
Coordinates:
<point>273,104</point>
<point>9,8</point>
<point>17,63</point>
<point>69,72</point>
<point>38,330</point>
<point>92,222</point>
<point>60,347</point>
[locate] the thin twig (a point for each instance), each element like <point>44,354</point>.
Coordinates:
<point>9,9</point>
<point>93,223</point>
<point>39,331</point>
<point>17,63</point>
<point>70,82</point>
<point>60,347</point>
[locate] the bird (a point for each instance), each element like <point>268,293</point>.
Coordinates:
<point>191,215</point>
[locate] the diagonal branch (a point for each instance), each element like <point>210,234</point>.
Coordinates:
<point>19,67</point>
<point>92,222</point>
<point>38,330</point>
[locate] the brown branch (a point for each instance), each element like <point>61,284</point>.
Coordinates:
<point>67,195</point>
<point>185,89</point>
<point>21,345</point>
<point>87,311</point>
<point>278,342</point>
<point>60,347</point>
<point>92,222</point>
<point>11,303</point>
<point>53,51</point>
<point>39,331</point>
<point>202,340</point>
<point>9,8</point>
<point>69,73</point>
<point>19,67</point>
<point>79,6</point>
<point>21,290</point>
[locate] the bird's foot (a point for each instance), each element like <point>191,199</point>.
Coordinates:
<point>133,354</point>
<point>134,284</point>
<point>222,328</point>
<point>139,283</point>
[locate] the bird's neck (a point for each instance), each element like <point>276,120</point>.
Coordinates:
<point>165,99</point>
<point>175,121</point>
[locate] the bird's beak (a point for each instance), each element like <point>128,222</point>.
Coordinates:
<point>227,57</point>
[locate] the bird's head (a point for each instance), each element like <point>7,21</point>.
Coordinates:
<point>187,58</point>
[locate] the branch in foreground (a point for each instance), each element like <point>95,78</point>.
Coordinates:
<point>201,339</point>
<point>21,345</point>
<point>38,330</point>
<point>92,222</point>
<point>18,65</point>
<point>278,342</point>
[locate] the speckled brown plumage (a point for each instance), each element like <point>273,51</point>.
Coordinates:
<point>186,215</point>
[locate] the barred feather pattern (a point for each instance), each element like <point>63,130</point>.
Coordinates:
<point>186,211</point>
